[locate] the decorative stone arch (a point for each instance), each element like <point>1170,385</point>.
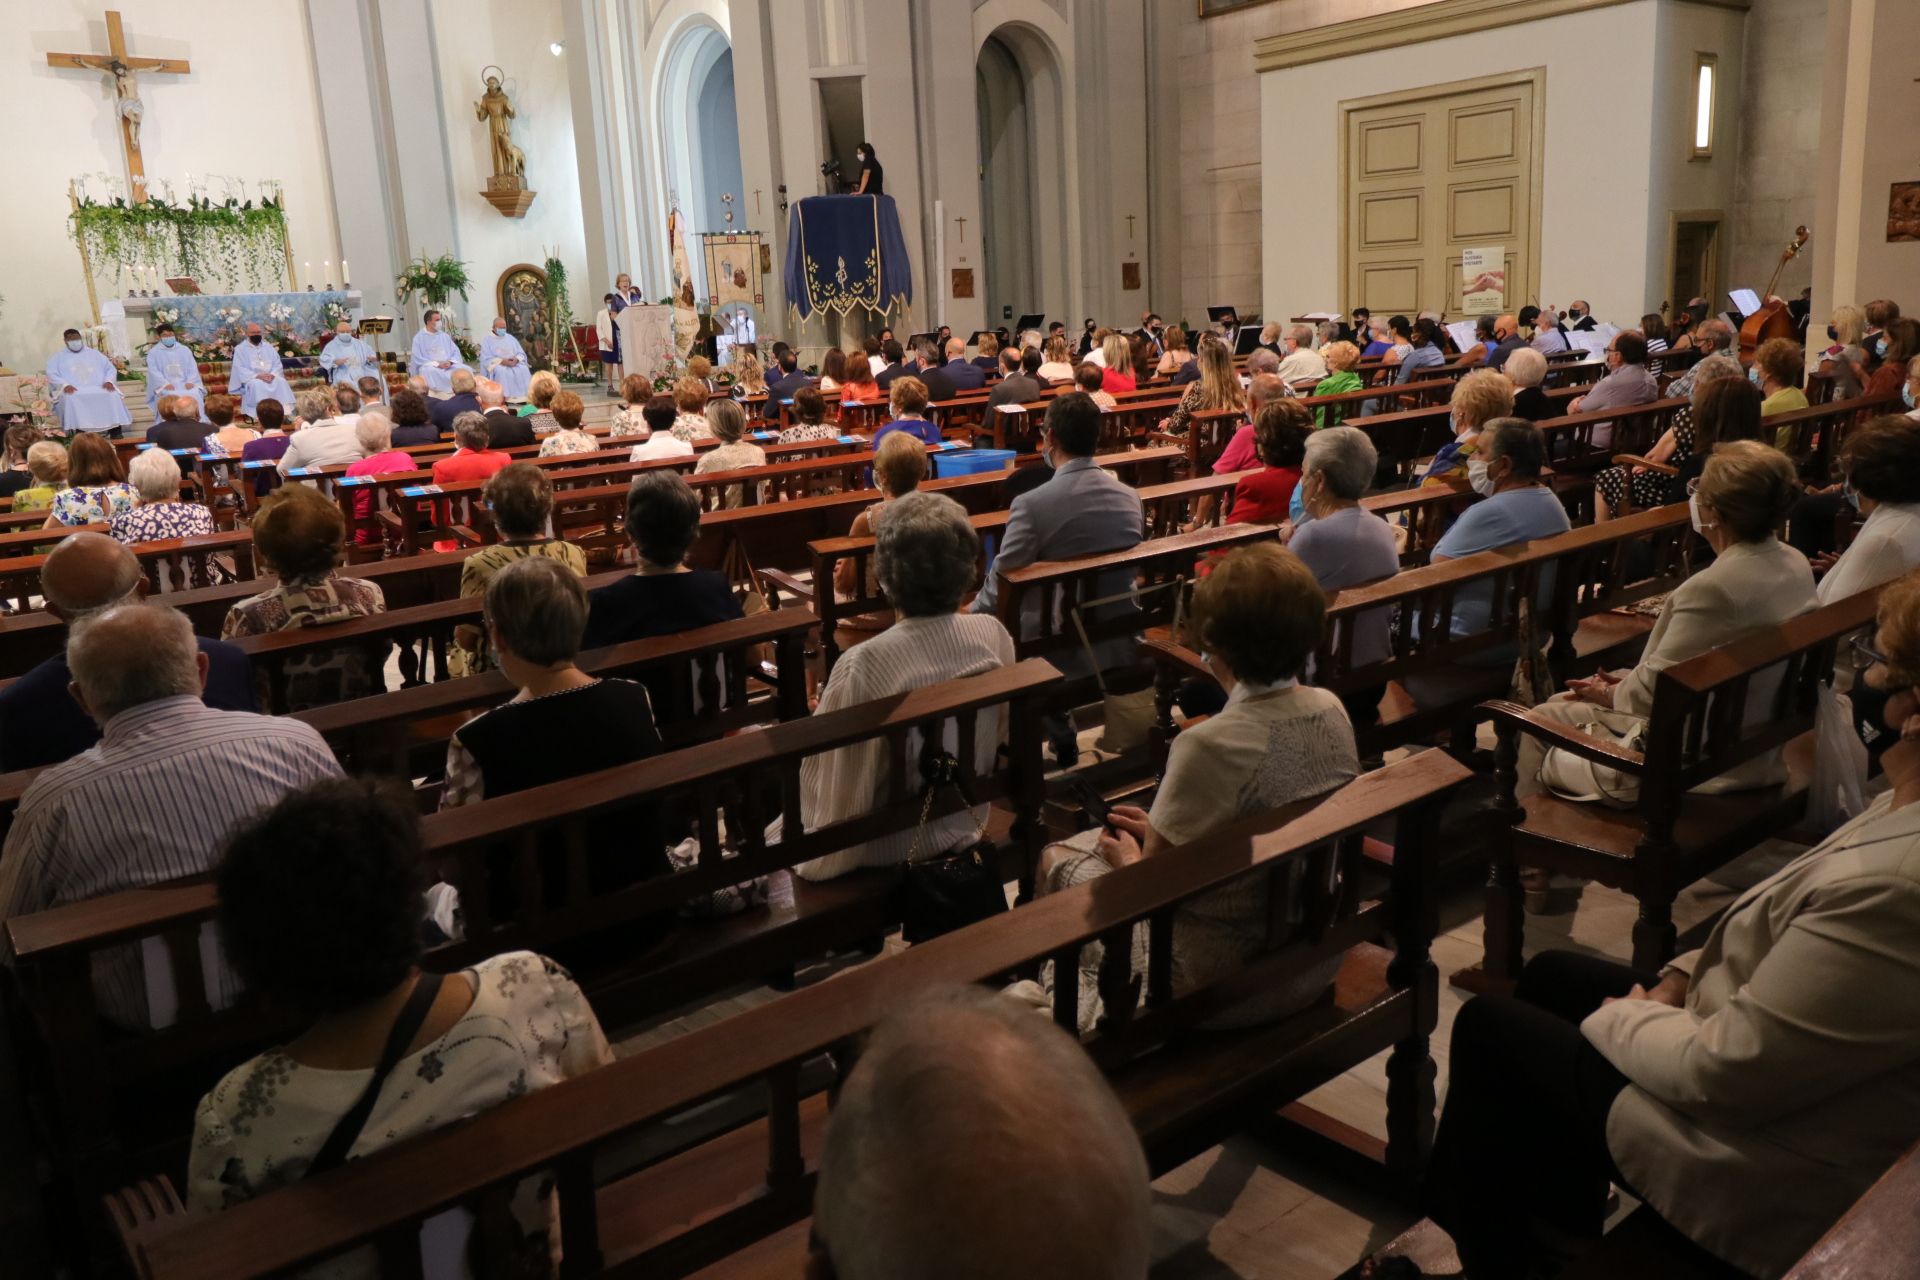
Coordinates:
<point>690,44</point>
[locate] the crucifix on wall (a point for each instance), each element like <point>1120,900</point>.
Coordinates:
<point>126,92</point>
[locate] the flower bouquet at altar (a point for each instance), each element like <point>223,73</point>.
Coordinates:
<point>434,279</point>
<point>667,368</point>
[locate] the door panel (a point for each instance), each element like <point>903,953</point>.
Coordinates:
<point>1428,175</point>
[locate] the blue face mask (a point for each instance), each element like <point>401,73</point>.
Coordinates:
<point>1851,494</point>
<point>1906,394</point>
<point>167,341</point>
<point>1880,348</point>
<point>1753,376</point>
<point>499,332</point>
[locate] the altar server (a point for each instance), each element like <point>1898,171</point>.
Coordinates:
<point>257,374</point>
<point>84,395</point>
<point>505,361</point>
<point>346,358</point>
<point>172,371</point>
<point>434,356</point>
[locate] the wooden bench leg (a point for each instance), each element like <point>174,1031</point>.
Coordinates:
<point>1653,933</point>
<point>1505,934</point>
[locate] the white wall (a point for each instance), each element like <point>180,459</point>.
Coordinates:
<point>514,34</point>
<point>1596,188</point>
<point>1681,182</point>
<point>245,109</point>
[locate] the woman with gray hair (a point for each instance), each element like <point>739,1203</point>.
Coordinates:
<point>727,422</point>
<point>158,512</point>
<point>374,434</point>
<point>927,557</point>
<point>1527,373</point>
<point>1345,545</point>
<point>1645,486</point>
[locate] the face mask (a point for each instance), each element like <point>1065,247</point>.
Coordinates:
<point>1453,424</point>
<point>1851,494</point>
<point>1880,348</point>
<point>344,337</point>
<point>499,331</point>
<point>1578,314</point>
<point>1477,477</point>
<point>1833,334</point>
<point>1693,513</point>
<point>1753,376</point>
<point>254,338</point>
<point>73,344</point>
<point>1906,394</point>
<point>167,341</point>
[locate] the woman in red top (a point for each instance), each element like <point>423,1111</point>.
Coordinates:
<point>374,434</point>
<point>1280,433</point>
<point>1118,354</point>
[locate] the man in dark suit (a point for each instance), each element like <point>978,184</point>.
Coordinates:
<point>1581,313</point>
<point>179,426</point>
<point>40,722</point>
<point>1019,380</point>
<point>896,357</point>
<point>463,400</point>
<point>963,373</point>
<point>1086,341</point>
<point>939,381</point>
<point>505,428</point>
<point>791,379</point>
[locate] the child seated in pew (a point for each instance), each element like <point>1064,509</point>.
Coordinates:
<point>1088,378</point>
<point>321,901</point>
<point>1258,617</point>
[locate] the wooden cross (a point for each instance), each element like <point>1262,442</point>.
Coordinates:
<point>1129,227</point>
<point>126,92</point>
<point>756,202</point>
<point>963,229</point>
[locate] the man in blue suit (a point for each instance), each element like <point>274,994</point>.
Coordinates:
<point>966,375</point>
<point>1085,510</point>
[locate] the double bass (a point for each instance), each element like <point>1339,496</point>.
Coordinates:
<point>1772,319</point>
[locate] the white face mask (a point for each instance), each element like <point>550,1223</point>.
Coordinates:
<point>1477,477</point>
<point>73,344</point>
<point>1693,513</point>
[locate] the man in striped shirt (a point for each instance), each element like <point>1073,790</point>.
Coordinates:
<point>154,799</point>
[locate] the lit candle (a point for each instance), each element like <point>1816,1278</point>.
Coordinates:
<point>345,275</point>
<point>309,270</point>
<point>326,271</point>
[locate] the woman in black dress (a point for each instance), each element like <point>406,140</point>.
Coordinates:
<point>870,171</point>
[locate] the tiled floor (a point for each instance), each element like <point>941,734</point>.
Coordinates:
<point>1251,1209</point>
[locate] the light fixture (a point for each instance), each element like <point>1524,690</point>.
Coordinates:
<point>556,48</point>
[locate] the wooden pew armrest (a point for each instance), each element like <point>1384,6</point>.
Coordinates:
<point>466,536</point>
<point>784,581</point>
<point>142,1213</point>
<point>1635,460</point>
<point>1564,736</point>
<point>1160,647</point>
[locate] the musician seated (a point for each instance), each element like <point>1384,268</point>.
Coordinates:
<point>1780,1059</point>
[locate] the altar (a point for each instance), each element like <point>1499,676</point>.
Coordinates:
<point>199,316</point>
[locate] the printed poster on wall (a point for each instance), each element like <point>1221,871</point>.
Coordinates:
<point>1483,280</point>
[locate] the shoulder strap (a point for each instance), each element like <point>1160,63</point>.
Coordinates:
<point>413,1015</point>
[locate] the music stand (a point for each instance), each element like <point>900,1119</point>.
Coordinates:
<point>978,334</point>
<point>1030,322</point>
<point>1246,341</point>
<point>376,327</point>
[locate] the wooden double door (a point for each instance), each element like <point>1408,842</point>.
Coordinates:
<point>1432,172</point>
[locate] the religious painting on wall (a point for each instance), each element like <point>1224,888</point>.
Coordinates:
<point>522,295</point>
<point>963,282</point>
<point>1903,212</point>
<point>1129,275</point>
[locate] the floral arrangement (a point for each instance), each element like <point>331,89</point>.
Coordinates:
<point>240,242</point>
<point>334,313</point>
<point>469,350</point>
<point>559,309</point>
<point>667,367</point>
<point>167,315</point>
<point>434,279</point>
<point>36,399</point>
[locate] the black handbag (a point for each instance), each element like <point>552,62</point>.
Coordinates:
<point>951,890</point>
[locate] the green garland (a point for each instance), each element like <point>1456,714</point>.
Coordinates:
<point>243,244</point>
<point>559,310</point>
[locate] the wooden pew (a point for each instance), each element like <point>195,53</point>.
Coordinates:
<point>1879,1237</point>
<point>99,1087</point>
<point>1592,570</point>
<point>1181,1091</point>
<point>170,565</point>
<point>1670,836</point>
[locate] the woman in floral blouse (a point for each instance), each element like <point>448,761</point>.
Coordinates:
<point>690,399</point>
<point>155,477</point>
<point>321,899</point>
<point>809,419</point>
<point>568,437</point>
<point>728,423</point>
<point>629,419</point>
<point>97,488</point>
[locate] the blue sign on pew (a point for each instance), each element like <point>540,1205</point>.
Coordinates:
<point>304,471</point>
<point>421,491</point>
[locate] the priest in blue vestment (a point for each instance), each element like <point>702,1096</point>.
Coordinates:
<point>503,359</point>
<point>81,381</point>
<point>434,356</point>
<point>257,374</point>
<point>173,371</point>
<point>346,358</point>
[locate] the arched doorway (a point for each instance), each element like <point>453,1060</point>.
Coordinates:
<point>1023,174</point>
<point>700,137</point>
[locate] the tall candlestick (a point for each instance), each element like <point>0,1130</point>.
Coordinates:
<point>309,271</point>
<point>345,275</point>
<point>326,271</point>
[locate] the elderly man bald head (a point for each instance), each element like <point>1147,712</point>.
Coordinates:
<point>975,1138</point>
<point>87,574</point>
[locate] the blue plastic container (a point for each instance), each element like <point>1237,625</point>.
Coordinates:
<point>970,462</point>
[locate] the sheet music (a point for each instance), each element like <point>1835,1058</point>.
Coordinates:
<point>1321,315</point>
<point>1461,331</point>
<point>1592,341</point>
<point>1746,299</point>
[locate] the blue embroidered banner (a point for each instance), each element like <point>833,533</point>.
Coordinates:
<point>200,315</point>
<point>845,252</point>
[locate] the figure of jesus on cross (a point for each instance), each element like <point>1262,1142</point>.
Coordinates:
<point>126,92</point>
